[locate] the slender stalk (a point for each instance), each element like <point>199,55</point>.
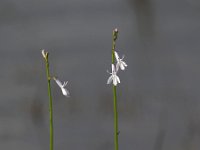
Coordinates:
<point>50,102</point>
<point>115,33</point>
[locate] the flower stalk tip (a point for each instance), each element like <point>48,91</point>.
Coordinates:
<point>45,54</point>
<point>115,34</point>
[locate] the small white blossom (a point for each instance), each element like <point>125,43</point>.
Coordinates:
<point>113,77</point>
<point>44,54</point>
<point>62,86</point>
<point>120,63</point>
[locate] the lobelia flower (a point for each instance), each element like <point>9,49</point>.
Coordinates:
<point>113,77</point>
<point>120,63</point>
<point>62,86</point>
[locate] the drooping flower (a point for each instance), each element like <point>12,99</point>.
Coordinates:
<point>113,77</point>
<point>62,86</point>
<point>120,63</point>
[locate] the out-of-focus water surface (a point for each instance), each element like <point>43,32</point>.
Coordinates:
<point>158,98</point>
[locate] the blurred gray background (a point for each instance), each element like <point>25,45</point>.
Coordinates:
<point>158,98</point>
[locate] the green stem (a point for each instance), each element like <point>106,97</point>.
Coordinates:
<point>115,117</point>
<point>50,104</point>
<point>116,132</point>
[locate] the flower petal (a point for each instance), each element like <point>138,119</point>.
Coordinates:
<point>116,56</point>
<point>44,54</point>
<point>118,80</point>
<point>115,80</point>
<point>58,82</point>
<point>65,83</point>
<point>113,68</point>
<point>117,66</point>
<point>65,92</point>
<point>109,79</point>
<point>122,66</point>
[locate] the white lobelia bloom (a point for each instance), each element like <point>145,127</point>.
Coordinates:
<point>113,77</point>
<point>62,86</point>
<point>120,63</point>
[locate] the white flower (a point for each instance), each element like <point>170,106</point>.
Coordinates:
<point>120,63</point>
<point>44,54</point>
<point>62,86</point>
<point>113,77</point>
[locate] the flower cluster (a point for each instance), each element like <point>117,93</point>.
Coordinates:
<point>120,64</point>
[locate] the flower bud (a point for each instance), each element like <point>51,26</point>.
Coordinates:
<point>44,54</point>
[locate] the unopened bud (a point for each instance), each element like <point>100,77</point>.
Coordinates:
<point>116,30</point>
<point>115,33</point>
<point>44,54</point>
